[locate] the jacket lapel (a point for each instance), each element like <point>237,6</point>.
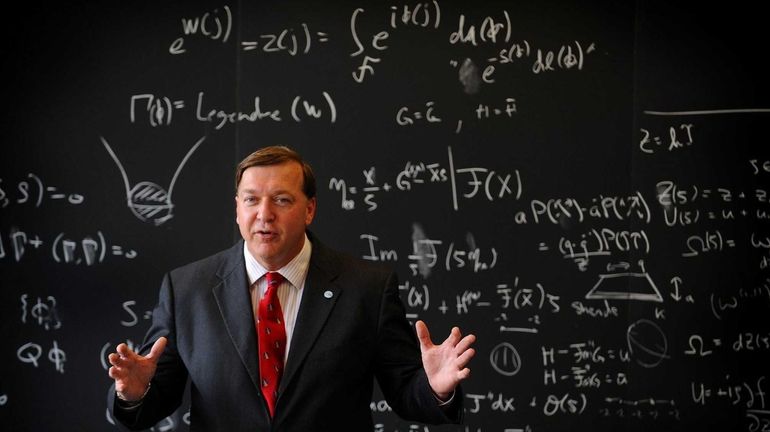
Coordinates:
<point>234,302</point>
<point>318,299</point>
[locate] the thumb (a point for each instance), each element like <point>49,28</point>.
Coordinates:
<point>423,334</point>
<point>157,349</point>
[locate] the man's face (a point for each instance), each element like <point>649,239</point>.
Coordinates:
<point>272,212</point>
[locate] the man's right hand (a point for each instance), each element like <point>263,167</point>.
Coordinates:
<point>132,372</point>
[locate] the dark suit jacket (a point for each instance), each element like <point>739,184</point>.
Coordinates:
<point>341,342</point>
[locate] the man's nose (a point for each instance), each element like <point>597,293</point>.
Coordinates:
<point>265,211</point>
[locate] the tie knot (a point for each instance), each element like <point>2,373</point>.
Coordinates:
<point>274,279</point>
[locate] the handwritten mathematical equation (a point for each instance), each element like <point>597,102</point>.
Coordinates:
<point>419,16</point>
<point>88,250</point>
<point>430,115</point>
<point>677,203</point>
<point>633,206</point>
<point>565,404</point>
<point>746,296</point>
<point>33,191</point>
<point>217,25</point>
<point>507,297</point>
<point>426,254</point>
<point>42,312</point>
<point>587,357</point>
<point>490,401</point>
<point>132,317</point>
<point>601,242</point>
<point>528,299</point>
<point>31,353</point>
<point>567,56</point>
<point>750,395</point>
<point>742,342</point>
<point>677,137</point>
<point>584,352</point>
<point>761,243</point>
<point>464,183</point>
<point>605,208</point>
<point>160,110</point>
<point>285,40</point>
<point>710,241</point>
<point>370,45</point>
<point>670,193</point>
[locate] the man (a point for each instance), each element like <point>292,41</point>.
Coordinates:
<point>336,325</point>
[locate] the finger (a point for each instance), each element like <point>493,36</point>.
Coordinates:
<point>124,351</point>
<point>465,357</point>
<point>423,334</point>
<point>463,374</point>
<point>114,373</point>
<point>157,348</point>
<point>113,359</point>
<point>454,337</point>
<point>122,361</point>
<point>118,374</point>
<point>465,343</point>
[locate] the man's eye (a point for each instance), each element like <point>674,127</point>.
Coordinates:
<point>249,200</point>
<point>282,201</point>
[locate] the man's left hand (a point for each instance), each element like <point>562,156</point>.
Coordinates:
<point>445,364</point>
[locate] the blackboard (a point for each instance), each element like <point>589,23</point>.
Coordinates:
<point>581,185</point>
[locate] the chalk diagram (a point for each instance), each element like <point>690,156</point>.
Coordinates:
<point>647,343</point>
<point>149,201</point>
<point>505,359</point>
<point>625,285</point>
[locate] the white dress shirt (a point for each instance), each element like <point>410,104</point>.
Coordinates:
<point>290,290</point>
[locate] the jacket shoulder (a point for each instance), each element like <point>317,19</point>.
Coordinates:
<point>211,267</point>
<point>346,266</point>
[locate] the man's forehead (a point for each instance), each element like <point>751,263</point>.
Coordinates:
<point>289,168</point>
<point>282,177</point>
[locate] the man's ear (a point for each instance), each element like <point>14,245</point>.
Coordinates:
<point>236,209</point>
<point>311,206</point>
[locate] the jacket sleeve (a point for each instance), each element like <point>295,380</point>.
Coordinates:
<point>399,370</point>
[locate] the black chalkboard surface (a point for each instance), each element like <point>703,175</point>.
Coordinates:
<point>583,186</point>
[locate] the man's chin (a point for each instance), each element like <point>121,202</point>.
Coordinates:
<point>265,255</point>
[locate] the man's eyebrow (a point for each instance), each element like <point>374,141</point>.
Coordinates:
<point>275,192</point>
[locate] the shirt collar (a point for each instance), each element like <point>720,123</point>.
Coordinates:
<point>295,271</point>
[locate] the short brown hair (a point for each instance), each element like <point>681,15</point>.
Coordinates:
<point>276,155</point>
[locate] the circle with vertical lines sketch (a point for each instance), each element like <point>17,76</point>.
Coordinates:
<point>505,359</point>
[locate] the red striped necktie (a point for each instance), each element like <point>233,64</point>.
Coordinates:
<point>272,340</point>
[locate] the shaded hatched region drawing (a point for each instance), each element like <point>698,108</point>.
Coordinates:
<point>148,201</point>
